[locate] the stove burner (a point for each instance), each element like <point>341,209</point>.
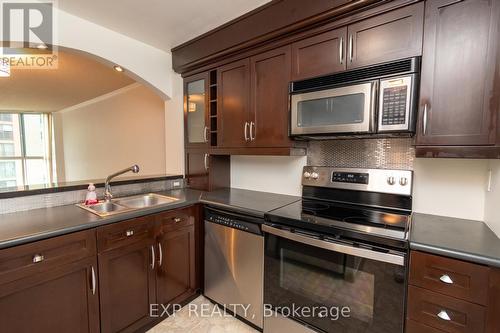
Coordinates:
<point>314,206</point>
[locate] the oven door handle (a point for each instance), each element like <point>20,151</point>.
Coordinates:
<point>331,246</point>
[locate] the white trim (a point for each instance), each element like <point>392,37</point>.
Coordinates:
<point>100,98</point>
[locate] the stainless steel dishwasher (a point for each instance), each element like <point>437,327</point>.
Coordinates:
<point>234,263</point>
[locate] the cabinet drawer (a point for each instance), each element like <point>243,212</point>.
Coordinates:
<point>25,260</point>
<point>124,233</point>
<point>449,276</point>
<point>174,219</point>
<point>416,327</point>
<point>443,312</point>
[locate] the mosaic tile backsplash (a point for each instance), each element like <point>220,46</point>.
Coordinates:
<point>72,197</point>
<point>390,153</point>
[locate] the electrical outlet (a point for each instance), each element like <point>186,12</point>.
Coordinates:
<point>176,184</point>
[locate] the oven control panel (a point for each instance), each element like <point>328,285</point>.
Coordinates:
<point>371,180</point>
<point>350,177</point>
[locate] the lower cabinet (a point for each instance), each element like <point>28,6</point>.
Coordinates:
<point>42,289</point>
<point>176,266</point>
<point>145,261</point>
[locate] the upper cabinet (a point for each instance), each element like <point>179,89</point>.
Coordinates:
<point>233,104</point>
<point>391,36</point>
<point>458,98</point>
<point>320,54</point>
<point>387,37</point>
<point>196,111</point>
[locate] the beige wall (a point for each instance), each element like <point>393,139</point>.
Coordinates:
<point>112,132</point>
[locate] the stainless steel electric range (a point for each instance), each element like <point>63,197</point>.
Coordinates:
<point>337,260</point>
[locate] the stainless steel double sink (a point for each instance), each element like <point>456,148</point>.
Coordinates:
<point>127,204</point>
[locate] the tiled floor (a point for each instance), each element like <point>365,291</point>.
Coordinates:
<point>200,316</point>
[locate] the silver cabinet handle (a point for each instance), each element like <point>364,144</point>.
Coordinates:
<point>425,119</point>
<point>205,162</point>
<point>341,50</point>
<point>160,252</point>
<point>93,280</point>
<point>246,130</point>
<point>129,233</point>
<point>177,219</point>
<point>152,257</point>
<point>351,48</point>
<point>446,279</point>
<point>205,134</point>
<point>252,131</point>
<point>444,315</point>
<point>38,258</point>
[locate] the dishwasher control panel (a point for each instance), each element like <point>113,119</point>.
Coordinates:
<point>244,223</point>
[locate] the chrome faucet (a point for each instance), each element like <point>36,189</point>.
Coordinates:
<point>107,188</point>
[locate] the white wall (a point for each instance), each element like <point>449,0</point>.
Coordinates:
<point>174,128</point>
<point>492,205</point>
<point>112,132</point>
<point>276,174</point>
<point>450,187</point>
<point>146,63</point>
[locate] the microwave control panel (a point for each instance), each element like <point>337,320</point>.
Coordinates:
<point>395,99</point>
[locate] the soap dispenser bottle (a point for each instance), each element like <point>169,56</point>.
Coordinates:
<point>91,197</point>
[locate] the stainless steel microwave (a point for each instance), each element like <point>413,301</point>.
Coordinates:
<point>380,99</point>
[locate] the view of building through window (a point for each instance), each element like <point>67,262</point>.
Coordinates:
<point>25,154</point>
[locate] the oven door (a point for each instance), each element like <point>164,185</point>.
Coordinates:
<point>341,288</point>
<point>348,109</point>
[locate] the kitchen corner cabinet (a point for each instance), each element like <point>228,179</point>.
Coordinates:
<point>205,171</point>
<point>459,99</point>
<point>50,285</point>
<point>387,37</point>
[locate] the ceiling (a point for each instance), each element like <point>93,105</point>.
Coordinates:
<point>78,78</point>
<point>160,23</point>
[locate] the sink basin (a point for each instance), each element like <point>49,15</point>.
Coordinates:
<point>143,201</point>
<point>127,204</point>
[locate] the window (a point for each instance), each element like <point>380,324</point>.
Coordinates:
<point>6,117</point>
<point>6,132</point>
<point>7,149</point>
<point>25,149</point>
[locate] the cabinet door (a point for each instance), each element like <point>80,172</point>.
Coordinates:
<point>233,90</point>
<point>195,110</point>
<point>457,84</point>
<point>63,299</point>
<point>176,274</point>
<point>319,55</point>
<point>197,166</point>
<point>387,37</point>
<point>127,278</point>
<point>269,120</point>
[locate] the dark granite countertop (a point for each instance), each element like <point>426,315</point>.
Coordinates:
<point>248,202</point>
<point>32,225</point>
<point>456,238</point>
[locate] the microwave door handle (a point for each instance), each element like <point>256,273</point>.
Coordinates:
<point>337,247</point>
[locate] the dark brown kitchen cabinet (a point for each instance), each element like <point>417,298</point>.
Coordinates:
<point>176,261</point>
<point>196,118</point>
<point>387,37</point>
<point>50,285</point>
<point>459,95</point>
<point>269,115</point>
<point>206,172</point>
<point>318,55</point>
<point>127,275</point>
<point>233,104</point>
